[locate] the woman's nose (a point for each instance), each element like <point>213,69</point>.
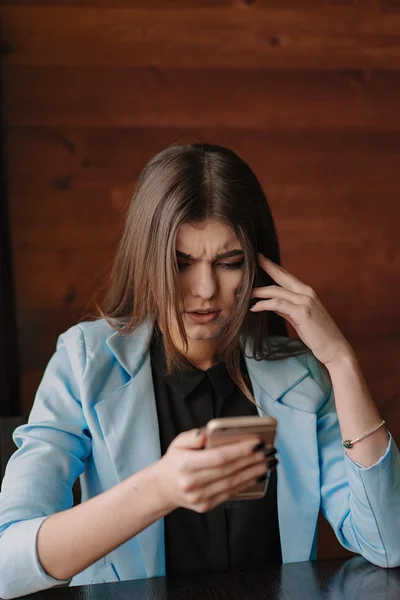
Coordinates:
<point>204,284</point>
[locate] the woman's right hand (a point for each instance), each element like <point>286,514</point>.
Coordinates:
<point>200,479</point>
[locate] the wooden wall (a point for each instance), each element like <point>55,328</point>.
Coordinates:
<point>308,92</point>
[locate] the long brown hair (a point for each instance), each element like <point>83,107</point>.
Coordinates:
<point>192,183</point>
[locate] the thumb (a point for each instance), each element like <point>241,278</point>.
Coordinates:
<point>194,438</point>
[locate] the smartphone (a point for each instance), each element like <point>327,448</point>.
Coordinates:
<point>227,430</point>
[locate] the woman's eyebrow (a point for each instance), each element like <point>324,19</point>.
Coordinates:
<point>229,254</point>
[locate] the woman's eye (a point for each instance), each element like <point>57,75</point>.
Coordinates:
<point>236,265</point>
<point>183,266</point>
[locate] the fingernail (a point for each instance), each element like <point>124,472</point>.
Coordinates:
<point>272,463</point>
<point>261,478</point>
<point>270,452</point>
<point>259,446</point>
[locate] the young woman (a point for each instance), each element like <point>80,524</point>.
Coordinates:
<point>125,398</point>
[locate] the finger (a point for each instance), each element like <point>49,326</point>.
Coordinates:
<point>270,452</point>
<point>264,305</point>
<point>279,305</point>
<point>274,291</point>
<point>208,476</point>
<point>243,485</point>
<point>225,454</point>
<point>280,275</point>
<point>192,439</point>
<point>272,463</point>
<point>230,485</point>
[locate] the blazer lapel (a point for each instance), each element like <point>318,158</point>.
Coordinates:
<point>284,390</point>
<point>128,418</point>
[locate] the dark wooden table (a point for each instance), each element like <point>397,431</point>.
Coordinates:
<point>351,579</point>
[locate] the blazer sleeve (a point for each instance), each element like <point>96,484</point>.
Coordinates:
<point>361,503</point>
<point>52,448</point>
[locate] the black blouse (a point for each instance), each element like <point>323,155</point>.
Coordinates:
<point>234,534</point>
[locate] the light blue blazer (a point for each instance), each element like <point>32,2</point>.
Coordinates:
<point>94,417</point>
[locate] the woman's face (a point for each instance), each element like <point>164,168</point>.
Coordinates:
<point>210,260</point>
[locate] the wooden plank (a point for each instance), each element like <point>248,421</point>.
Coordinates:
<point>64,158</point>
<point>56,144</point>
<point>38,333</point>
<point>67,158</point>
<point>131,4</point>
<point>55,161</point>
<point>68,280</point>
<point>344,269</point>
<point>92,218</point>
<point>390,5</point>
<point>182,4</point>
<point>64,220</point>
<point>237,37</point>
<point>71,97</point>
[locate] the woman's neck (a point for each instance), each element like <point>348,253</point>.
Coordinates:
<point>200,353</point>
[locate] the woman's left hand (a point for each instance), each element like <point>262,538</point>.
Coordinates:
<point>299,305</point>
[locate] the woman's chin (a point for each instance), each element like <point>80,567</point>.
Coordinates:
<point>205,331</point>
<point>195,333</point>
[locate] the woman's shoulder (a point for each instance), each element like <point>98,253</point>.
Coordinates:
<point>86,348</point>
<point>85,341</point>
<point>87,332</point>
<point>95,347</point>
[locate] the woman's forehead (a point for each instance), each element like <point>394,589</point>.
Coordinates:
<point>206,238</point>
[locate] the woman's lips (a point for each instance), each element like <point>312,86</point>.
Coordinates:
<point>203,318</point>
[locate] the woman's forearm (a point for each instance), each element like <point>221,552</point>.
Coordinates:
<point>356,410</point>
<point>71,540</point>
